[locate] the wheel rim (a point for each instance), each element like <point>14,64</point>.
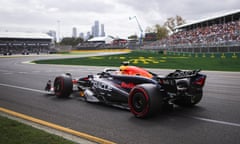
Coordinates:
<point>139,102</point>
<point>58,86</point>
<point>193,99</point>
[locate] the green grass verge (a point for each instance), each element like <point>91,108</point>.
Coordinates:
<point>148,59</point>
<point>13,132</point>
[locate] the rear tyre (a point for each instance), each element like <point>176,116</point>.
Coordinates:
<point>63,86</point>
<point>145,100</point>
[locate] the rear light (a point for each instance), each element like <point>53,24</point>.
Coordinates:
<point>161,81</point>
<point>86,78</point>
<point>74,81</point>
<point>200,81</point>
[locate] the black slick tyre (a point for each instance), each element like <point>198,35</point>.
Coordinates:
<point>63,86</point>
<point>145,100</point>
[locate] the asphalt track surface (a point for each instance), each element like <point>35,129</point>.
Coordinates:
<point>216,119</point>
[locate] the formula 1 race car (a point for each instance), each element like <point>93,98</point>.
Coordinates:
<point>142,92</point>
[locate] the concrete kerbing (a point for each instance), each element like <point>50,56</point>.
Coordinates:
<point>66,133</point>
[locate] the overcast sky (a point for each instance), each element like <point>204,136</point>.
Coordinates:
<point>43,15</point>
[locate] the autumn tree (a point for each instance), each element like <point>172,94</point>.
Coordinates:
<point>161,31</point>
<point>172,22</point>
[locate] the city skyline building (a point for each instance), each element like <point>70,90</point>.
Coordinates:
<point>96,28</point>
<point>88,35</point>
<point>92,31</point>
<point>81,35</point>
<point>74,32</point>
<point>102,30</point>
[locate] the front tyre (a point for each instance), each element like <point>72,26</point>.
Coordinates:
<point>63,86</point>
<point>145,100</point>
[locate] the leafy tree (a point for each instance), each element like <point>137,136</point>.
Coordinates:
<point>161,31</point>
<point>172,22</point>
<point>77,41</point>
<point>71,41</point>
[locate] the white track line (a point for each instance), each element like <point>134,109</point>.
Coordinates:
<point>193,117</point>
<point>216,121</point>
<point>23,88</point>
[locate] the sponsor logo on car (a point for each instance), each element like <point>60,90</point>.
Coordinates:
<point>127,85</point>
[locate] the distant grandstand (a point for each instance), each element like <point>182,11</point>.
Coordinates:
<point>24,43</point>
<point>219,33</point>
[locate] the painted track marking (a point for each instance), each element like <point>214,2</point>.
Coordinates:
<point>57,127</point>
<point>215,121</point>
<point>23,88</point>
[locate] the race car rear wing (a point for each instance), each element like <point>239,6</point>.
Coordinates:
<point>180,74</point>
<point>169,82</point>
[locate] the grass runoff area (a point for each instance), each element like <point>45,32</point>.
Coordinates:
<point>13,132</point>
<point>150,59</point>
